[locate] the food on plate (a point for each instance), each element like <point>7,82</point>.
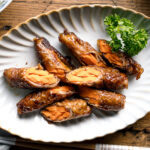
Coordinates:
<point>39,99</point>
<point>95,72</point>
<point>52,60</point>
<point>82,50</point>
<point>33,77</point>
<point>66,110</point>
<point>100,77</point>
<point>120,60</point>
<point>101,99</point>
<point>133,40</point>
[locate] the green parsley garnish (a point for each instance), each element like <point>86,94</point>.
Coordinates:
<point>133,40</point>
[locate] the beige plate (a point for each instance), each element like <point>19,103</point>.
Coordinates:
<point>17,48</point>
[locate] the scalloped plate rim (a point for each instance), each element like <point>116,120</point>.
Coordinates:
<point>69,8</point>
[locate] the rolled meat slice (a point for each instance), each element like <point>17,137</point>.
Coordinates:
<point>39,99</point>
<point>33,77</point>
<point>66,110</point>
<point>100,77</point>
<point>82,50</point>
<point>104,100</point>
<point>52,60</point>
<point>120,60</point>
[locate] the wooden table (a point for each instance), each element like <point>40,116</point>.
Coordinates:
<point>18,11</point>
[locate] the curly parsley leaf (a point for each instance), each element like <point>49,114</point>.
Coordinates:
<point>133,40</point>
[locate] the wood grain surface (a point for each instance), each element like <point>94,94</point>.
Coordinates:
<point>18,11</point>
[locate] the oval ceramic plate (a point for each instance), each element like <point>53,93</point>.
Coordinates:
<point>17,50</point>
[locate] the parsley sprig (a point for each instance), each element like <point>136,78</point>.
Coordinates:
<point>133,40</point>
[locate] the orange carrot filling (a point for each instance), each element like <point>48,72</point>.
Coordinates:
<point>62,89</point>
<point>104,46</point>
<point>56,113</point>
<point>106,49</point>
<point>84,75</point>
<point>113,58</point>
<point>90,59</point>
<point>40,76</point>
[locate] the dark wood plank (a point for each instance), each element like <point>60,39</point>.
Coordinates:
<point>20,10</point>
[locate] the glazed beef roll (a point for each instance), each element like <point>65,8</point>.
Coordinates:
<point>102,99</point>
<point>82,50</point>
<point>120,60</point>
<point>66,110</point>
<point>51,59</point>
<point>39,99</point>
<point>100,77</point>
<point>33,77</point>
